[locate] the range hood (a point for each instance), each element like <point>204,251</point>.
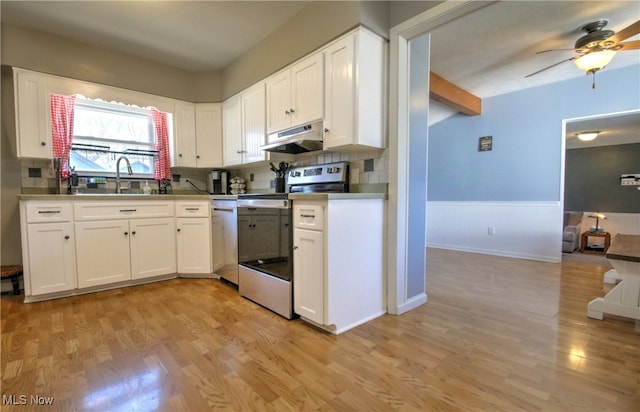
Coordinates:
<point>300,139</point>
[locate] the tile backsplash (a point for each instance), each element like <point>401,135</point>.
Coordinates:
<point>259,178</point>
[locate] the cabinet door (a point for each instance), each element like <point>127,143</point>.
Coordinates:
<point>217,237</point>
<point>279,101</point>
<point>33,118</point>
<point>209,135</point>
<point>184,144</point>
<point>253,119</point>
<point>102,252</point>
<point>153,248</point>
<point>340,86</point>
<point>194,245</point>
<point>232,131</point>
<point>266,236</point>
<point>308,274</point>
<point>51,257</point>
<point>307,94</point>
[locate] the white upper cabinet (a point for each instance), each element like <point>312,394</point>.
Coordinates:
<point>184,147</point>
<point>355,92</point>
<point>232,131</point>
<point>244,130</point>
<point>295,95</point>
<point>198,135</point>
<point>33,118</point>
<point>208,135</point>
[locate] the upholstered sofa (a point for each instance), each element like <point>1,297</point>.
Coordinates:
<point>571,233</point>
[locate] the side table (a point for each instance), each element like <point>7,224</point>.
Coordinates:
<point>584,239</point>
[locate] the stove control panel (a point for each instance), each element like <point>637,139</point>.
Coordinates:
<point>326,173</point>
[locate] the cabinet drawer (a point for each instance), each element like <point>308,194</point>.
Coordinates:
<point>193,209</point>
<point>308,217</point>
<point>49,212</point>
<point>121,210</point>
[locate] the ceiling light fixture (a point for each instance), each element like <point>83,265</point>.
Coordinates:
<point>588,136</point>
<point>594,61</point>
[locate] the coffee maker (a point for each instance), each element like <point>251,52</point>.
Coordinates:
<point>218,182</point>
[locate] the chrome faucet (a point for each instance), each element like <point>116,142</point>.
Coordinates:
<point>129,171</point>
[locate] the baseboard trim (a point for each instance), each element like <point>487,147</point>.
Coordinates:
<point>410,304</point>
<point>541,258</point>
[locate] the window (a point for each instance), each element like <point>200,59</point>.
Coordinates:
<point>102,132</point>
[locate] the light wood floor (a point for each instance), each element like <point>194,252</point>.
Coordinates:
<point>497,334</point>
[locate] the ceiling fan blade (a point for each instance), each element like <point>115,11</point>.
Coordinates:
<point>550,50</point>
<point>630,45</point>
<point>625,33</point>
<point>553,65</point>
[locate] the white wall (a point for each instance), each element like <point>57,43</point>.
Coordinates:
<point>528,230</point>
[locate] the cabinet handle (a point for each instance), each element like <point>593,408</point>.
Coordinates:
<point>67,237</point>
<point>180,155</point>
<point>133,233</point>
<point>295,247</point>
<point>126,233</point>
<point>222,209</point>
<point>127,210</point>
<point>326,130</point>
<point>311,216</point>
<point>197,156</point>
<point>241,151</point>
<point>292,111</point>
<point>45,212</point>
<point>178,230</point>
<point>192,208</point>
<point>287,112</point>
<point>43,143</point>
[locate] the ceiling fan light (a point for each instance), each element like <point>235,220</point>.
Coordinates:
<point>587,136</point>
<point>594,61</point>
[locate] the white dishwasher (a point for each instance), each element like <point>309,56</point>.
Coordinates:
<point>224,222</point>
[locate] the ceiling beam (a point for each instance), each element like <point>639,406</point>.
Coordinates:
<point>443,91</point>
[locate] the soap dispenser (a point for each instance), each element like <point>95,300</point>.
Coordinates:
<point>146,189</point>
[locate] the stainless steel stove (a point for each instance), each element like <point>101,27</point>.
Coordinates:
<point>265,258</point>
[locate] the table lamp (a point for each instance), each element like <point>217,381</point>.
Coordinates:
<point>598,216</point>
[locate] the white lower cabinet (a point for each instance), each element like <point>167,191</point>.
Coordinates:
<point>51,261</point>
<point>338,262</point>
<point>153,247</point>
<point>193,245</point>
<point>193,237</point>
<point>48,247</point>
<point>308,269</point>
<point>119,250</point>
<point>103,252</point>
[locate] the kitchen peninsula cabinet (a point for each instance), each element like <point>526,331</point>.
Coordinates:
<point>198,135</point>
<point>48,245</point>
<point>295,95</point>
<point>355,92</point>
<point>338,260</point>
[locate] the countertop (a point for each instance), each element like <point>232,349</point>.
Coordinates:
<point>110,196</point>
<point>336,196</point>
<point>132,196</point>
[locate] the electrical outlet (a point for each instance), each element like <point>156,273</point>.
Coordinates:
<point>491,230</point>
<point>184,182</point>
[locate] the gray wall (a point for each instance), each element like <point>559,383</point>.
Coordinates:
<point>46,53</point>
<point>592,179</point>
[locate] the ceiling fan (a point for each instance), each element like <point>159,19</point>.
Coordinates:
<point>598,46</point>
